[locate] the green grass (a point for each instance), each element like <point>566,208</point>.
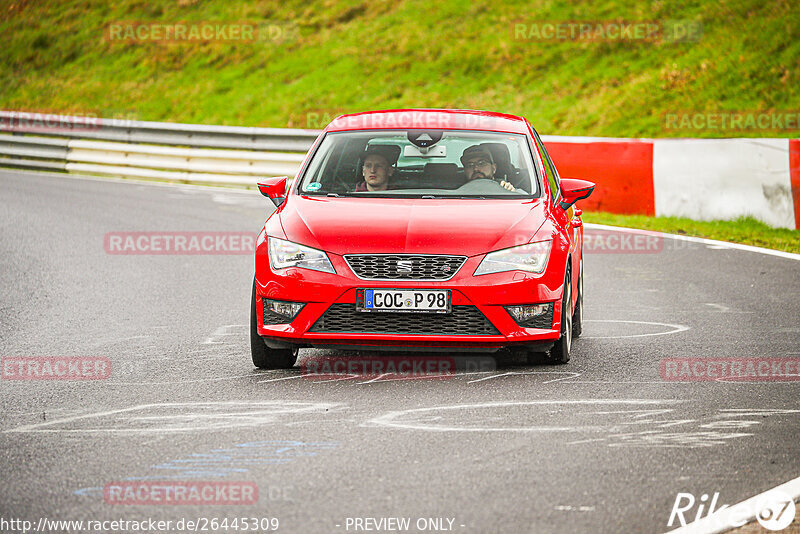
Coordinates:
<point>744,230</point>
<point>351,56</point>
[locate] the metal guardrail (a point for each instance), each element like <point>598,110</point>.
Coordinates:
<point>162,150</point>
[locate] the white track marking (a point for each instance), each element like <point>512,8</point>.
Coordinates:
<point>742,412</point>
<point>222,332</point>
<point>193,381</point>
<point>390,419</point>
<point>574,375</point>
<point>376,378</point>
<point>712,242</point>
<point>328,380</point>
<point>518,373</point>
<point>568,508</point>
<point>279,379</point>
<point>675,328</point>
<point>190,416</point>
<point>591,440</point>
<point>721,520</point>
<point>493,376</point>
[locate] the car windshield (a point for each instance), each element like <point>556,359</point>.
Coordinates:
<point>422,163</point>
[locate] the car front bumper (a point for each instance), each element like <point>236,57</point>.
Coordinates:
<point>478,321</point>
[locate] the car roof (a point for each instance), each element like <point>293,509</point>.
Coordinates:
<point>429,119</point>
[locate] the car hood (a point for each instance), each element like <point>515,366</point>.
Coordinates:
<point>389,225</point>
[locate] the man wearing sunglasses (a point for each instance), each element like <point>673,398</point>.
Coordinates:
<point>479,164</point>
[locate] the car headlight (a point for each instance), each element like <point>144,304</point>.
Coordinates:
<point>531,257</point>
<point>283,254</point>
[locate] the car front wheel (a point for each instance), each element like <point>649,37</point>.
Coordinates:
<point>560,352</point>
<point>577,316</point>
<point>263,356</point>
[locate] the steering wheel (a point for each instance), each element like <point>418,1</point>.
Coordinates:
<point>480,185</point>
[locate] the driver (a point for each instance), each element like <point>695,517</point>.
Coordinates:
<point>479,164</point>
<point>376,170</point>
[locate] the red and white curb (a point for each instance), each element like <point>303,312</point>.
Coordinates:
<point>702,179</point>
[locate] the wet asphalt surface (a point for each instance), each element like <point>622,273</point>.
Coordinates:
<point>602,444</point>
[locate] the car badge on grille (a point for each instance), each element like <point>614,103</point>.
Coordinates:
<point>446,268</point>
<point>404,266</point>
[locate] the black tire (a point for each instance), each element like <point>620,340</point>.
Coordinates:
<point>560,352</point>
<point>263,356</point>
<point>577,316</point>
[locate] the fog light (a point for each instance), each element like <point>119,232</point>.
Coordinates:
<point>283,309</point>
<point>522,313</point>
<point>533,315</point>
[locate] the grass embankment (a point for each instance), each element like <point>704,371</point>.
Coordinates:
<point>352,56</point>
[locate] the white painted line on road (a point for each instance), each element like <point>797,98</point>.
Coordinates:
<point>328,380</point>
<point>569,508</point>
<point>510,373</point>
<point>493,376</point>
<point>390,419</point>
<point>177,382</point>
<point>376,378</point>
<point>581,441</point>
<point>185,417</point>
<point>279,379</point>
<point>223,331</point>
<point>573,375</point>
<point>712,242</point>
<point>745,511</point>
<point>675,328</point>
<point>420,377</point>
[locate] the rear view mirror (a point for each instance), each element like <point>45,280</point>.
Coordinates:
<point>274,188</point>
<point>573,190</point>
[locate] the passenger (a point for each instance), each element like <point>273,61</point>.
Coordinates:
<point>479,164</point>
<point>376,169</point>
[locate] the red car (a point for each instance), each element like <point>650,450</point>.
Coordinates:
<point>420,230</point>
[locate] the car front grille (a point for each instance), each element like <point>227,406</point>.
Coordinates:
<point>404,266</point>
<point>462,321</point>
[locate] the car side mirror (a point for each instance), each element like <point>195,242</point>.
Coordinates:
<point>274,188</point>
<point>573,190</point>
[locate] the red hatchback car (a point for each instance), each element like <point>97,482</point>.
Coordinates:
<point>420,230</point>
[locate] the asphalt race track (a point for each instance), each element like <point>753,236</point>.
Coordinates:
<point>603,444</point>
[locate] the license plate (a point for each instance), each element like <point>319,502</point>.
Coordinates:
<point>407,300</point>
